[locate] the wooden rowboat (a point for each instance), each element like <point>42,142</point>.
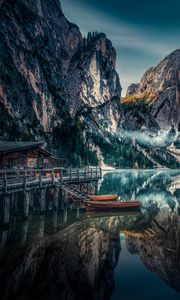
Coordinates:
<point>109,205</point>
<point>103,197</point>
<point>112,213</point>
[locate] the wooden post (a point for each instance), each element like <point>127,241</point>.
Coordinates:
<point>70,175</point>
<point>65,216</point>
<point>6,209</point>
<point>61,199</point>
<point>41,228</point>
<point>26,201</point>
<point>66,198</point>
<point>5,182</point>
<point>96,172</point>
<point>31,198</point>
<point>24,232</point>
<point>40,179</point>
<point>61,174</point>
<point>101,172</point>
<point>4,237</point>
<point>77,212</point>
<point>12,203</point>
<point>25,180</point>
<point>42,200</point>
<point>85,174</point>
<point>78,175</point>
<point>96,187</point>
<point>15,208</point>
<point>52,172</point>
<point>55,198</point>
<point>91,172</point>
<point>54,221</point>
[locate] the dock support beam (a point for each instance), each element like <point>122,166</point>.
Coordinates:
<point>54,221</point>
<point>65,199</point>
<point>77,212</point>
<point>26,202</point>
<point>61,200</point>
<point>87,188</point>
<point>42,200</point>
<point>55,198</point>
<point>6,209</point>
<point>65,216</point>
<point>96,187</point>
<point>5,182</point>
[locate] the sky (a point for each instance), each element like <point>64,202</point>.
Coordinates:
<point>142,32</point>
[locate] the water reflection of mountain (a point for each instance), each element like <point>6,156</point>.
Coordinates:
<point>130,184</point>
<point>159,247</point>
<point>78,262</point>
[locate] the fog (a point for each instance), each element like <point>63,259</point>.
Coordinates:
<point>148,138</point>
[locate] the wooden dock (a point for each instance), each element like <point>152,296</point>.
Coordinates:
<point>12,180</point>
<point>74,192</point>
<point>63,181</point>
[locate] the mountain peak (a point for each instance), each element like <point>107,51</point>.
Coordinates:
<point>157,95</point>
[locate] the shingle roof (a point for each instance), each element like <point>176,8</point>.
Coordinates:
<point>8,147</point>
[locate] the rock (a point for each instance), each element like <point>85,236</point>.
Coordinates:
<point>51,77</point>
<point>132,89</point>
<point>156,101</point>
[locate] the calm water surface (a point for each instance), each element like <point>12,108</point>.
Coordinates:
<point>73,255</point>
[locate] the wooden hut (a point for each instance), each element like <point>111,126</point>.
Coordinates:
<point>24,155</point>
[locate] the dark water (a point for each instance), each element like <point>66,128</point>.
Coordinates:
<point>68,254</point>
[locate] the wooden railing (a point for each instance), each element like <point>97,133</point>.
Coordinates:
<point>13,178</point>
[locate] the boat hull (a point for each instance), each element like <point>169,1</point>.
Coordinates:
<point>112,213</point>
<point>109,206</point>
<point>103,197</point>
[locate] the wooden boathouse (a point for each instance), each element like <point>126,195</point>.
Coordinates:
<point>26,166</point>
<point>21,155</point>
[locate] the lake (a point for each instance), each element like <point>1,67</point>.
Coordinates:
<point>69,254</point>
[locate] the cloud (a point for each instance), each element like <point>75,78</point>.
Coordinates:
<point>137,48</point>
<point>120,33</point>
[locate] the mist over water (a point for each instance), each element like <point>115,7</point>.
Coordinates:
<point>146,137</point>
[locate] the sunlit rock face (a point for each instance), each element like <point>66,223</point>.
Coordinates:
<point>156,102</point>
<point>77,263</point>
<point>93,84</point>
<point>48,71</point>
<point>132,89</point>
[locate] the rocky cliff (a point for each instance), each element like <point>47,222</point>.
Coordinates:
<point>53,81</point>
<point>155,101</point>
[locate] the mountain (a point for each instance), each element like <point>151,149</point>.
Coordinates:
<point>150,112</point>
<point>62,88</point>
<point>154,103</point>
<point>55,85</point>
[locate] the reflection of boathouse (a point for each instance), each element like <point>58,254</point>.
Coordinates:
<point>25,155</point>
